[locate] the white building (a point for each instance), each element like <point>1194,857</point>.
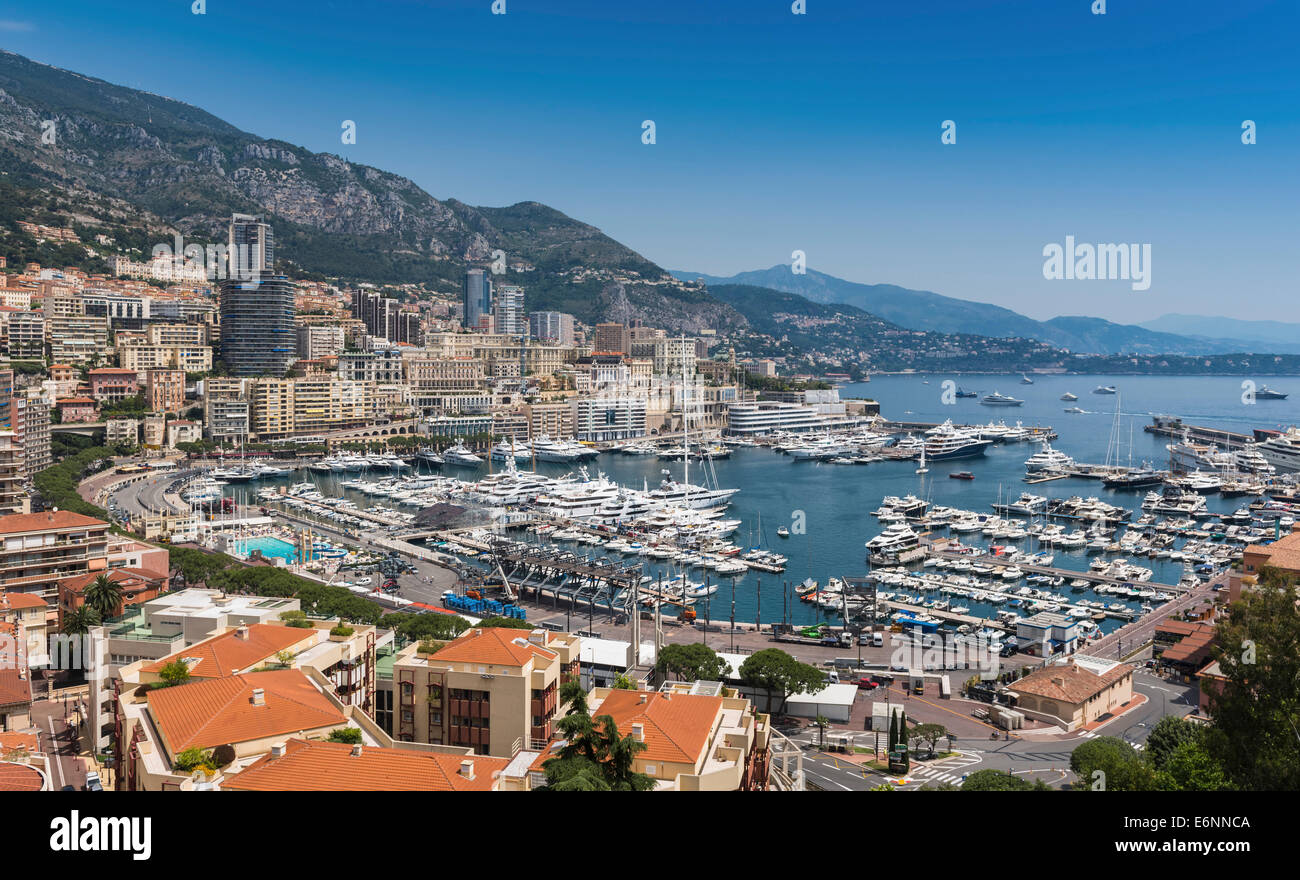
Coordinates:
<point>601,419</point>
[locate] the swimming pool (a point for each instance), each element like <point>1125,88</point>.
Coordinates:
<point>269,547</point>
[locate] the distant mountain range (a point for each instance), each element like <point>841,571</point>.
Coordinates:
<point>926,310</point>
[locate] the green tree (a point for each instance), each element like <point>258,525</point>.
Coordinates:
<point>779,675</point>
<point>929,734</point>
<point>893,730</point>
<point>78,621</point>
<point>104,595</point>
<point>624,683</point>
<point>1169,733</point>
<point>1256,708</point>
<point>349,735</point>
<point>1189,767</point>
<point>995,780</point>
<point>571,692</point>
<point>503,623</point>
<point>174,673</point>
<point>821,722</point>
<point>595,757</point>
<point>1121,767</point>
<point>691,662</point>
<point>192,759</point>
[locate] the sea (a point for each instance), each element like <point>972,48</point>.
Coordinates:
<point>827,507</point>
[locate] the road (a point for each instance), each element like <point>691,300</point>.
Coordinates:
<point>66,768</point>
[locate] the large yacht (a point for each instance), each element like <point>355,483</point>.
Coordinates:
<point>1104,389</point>
<point>1174,500</point>
<point>546,449</point>
<point>1048,459</point>
<point>1068,396</point>
<point>1134,478</point>
<point>947,442</point>
<point>1283,450</point>
<point>460,454</point>
<point>685,495</point>
<point>998,399</point>
<point>1266,393</point>
<point>896,538</point>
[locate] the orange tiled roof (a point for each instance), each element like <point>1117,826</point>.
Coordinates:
<point>15,679</point>
<point>493,646</point>
<point>228,653</point>
<point>323,766</point>
<point>677,726</point>
<point>18,601</point>
<point>1069,683</point>
<point>39,522</point>
<point>217,711</point>
<point>20,777</point>
<point>79,582</point>
<point>27,742</point>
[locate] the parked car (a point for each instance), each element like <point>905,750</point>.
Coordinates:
<point>867,684</point>
<point>363,582</point>
<point>92,781</point>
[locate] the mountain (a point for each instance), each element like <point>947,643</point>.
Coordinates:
<point>926,310</point>
<point>127,160</point>
<point>1277,336</point>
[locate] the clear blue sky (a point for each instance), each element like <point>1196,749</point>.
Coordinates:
<point>775,132</point>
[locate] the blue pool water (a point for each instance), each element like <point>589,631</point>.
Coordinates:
<point>269,547</point>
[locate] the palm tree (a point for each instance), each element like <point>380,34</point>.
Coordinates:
<point>104,595</point>
<point>78,621</point>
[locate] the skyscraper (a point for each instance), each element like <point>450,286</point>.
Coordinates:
<point>478,299</point>
<point>508,310</point>
<point>552,327</point>
<point>251,247</point>
<point>257,330</point>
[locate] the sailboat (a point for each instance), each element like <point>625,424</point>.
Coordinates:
<point>923,469</point>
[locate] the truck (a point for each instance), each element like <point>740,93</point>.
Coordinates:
<point>782,632</point>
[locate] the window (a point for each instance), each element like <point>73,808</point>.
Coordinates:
<point>650,769</point>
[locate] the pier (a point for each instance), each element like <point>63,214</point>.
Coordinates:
<point>1068,573</point>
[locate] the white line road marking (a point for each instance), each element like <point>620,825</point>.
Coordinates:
<point>54,746</point>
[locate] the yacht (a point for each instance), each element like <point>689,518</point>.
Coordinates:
<point>1104,389</point>
<point>460,454</point>
<point>895,539</point>
<point>426,455</point>
<point>946,442</point>
<point>1134,478</point>
<point>1048,459</point>
<point>998,399</point>
<point>1249,460</point>
<point>686,495</point>
<point>1068,396</point>
<point>507,451</point>
<point>639,449</point>
<point>1025,380</point>
<point>1074,410</point>
<point>1266,393</point>
<point>1282,451</point>
<point>961,392</point>
<point>1174,500</point>
<point>546,449</point>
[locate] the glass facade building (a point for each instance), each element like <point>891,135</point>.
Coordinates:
<point>478,299</point>
<point>258,336</point>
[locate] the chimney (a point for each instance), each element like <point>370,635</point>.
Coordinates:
<point>467,769</point>
<point>1059,682</point>
<point>259,697</point>
<point>538,637</point>
<point>241,633</point>
<point>277,750</point>
<point>356,750</point>
<point>644,697</point>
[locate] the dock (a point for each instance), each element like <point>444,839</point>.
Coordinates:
<point>1068,573</point>
<point>946,616</point>
<point>1200,433</point>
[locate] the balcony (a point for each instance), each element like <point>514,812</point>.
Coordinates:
<point>470,736</point>
<point>546,704</point>
<point>470,708</point>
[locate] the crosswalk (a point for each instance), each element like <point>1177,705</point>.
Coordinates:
<point>1090,735</point>
<point>937,774</point>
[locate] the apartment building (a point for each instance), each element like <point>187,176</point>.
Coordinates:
<point>113,383</point>
<point>602,419</point>
<point>40,549</point>
<point>284,407</point>
<point>77,338</point>
<point>696,738</point>
<point>162,627</point>
<point>25,335</point>
<point>508,313</point>
<point>317,341</point>
<point>554,328</point>
<point>551,419</point>
<point>612,338</point>
<point>28,615</point>
<point>226,408</point>
<point>380,365</point>
<point>449,385</point>
<point>186,358</point>
<point>13,499</point>
<point>32,429</point>
<point>493,690</point>
<point>186,335</point>
<point>121,431</point>
<point>165,390</point>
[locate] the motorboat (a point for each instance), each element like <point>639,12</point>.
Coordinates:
<point>1047,459</point>
<point>1068,396</point>
<point>1104,389</point>
<point>461,455</point>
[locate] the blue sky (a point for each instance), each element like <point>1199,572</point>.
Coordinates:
<point>819,132</point>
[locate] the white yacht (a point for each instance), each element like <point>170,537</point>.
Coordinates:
<point>946,442</point>
<point>998,399</point>
<point>1048,459</point>
<point>546,449</point>
<point>1282,451</point>
<point>460,454</point>
<point>893,540</point>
